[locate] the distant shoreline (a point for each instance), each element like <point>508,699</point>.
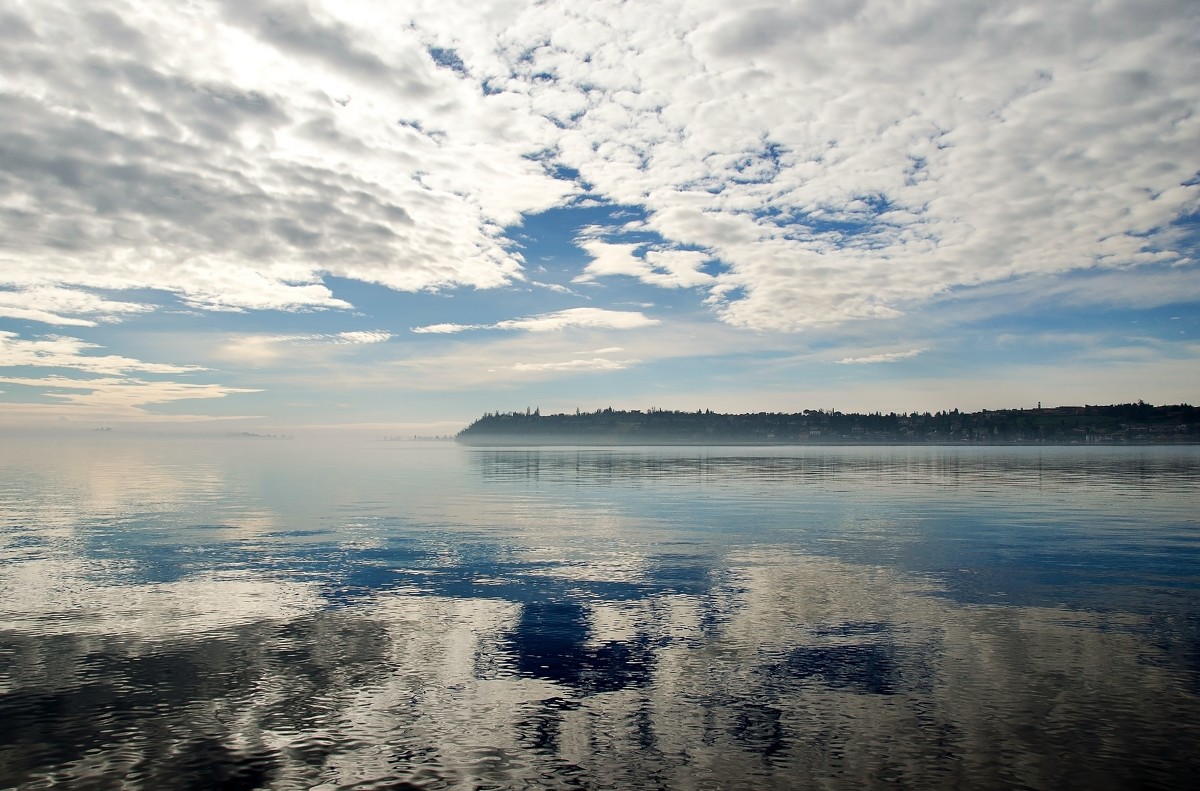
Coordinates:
<point>1114,425</point>
<point>520,442</point>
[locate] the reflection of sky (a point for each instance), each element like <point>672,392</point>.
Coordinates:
<point>791,670</point>
<point>681,615</point>
<point>1047,527</point>
<point>1036,526</point>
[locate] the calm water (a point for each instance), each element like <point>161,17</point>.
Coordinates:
<point>258,614</point>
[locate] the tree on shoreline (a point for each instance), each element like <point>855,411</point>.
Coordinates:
<point>1115,424</point>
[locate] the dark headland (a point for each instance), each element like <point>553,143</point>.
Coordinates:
<point>1117,424</point>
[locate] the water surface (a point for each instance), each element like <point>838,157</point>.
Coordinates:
<point>241,613</point>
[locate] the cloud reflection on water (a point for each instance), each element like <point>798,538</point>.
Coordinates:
<point>616,636</point>
<point>798,669</point>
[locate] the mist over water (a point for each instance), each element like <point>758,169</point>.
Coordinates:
<point>240,613</point>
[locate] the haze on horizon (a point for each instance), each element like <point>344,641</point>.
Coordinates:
<point>278,216</point>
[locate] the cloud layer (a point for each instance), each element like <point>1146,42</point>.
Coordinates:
<point>235,154</point>
<point>334,202</point>
<point>804,163</point>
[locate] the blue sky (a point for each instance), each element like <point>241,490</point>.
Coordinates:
<point>392,217</point>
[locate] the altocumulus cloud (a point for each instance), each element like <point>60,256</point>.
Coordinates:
<point>802,163</point>
<point>850,160</point>
<point>198,150</point>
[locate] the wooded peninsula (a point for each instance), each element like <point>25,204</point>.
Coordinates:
<point>1117,424</point>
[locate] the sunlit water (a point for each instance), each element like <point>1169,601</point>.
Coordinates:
<point>271,614</point>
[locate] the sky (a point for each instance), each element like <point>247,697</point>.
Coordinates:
<point>392,217</point>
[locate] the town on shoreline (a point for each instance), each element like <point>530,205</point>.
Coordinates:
<point>1117,424</point>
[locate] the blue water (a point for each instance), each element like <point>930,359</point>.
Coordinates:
<point>242,613</point>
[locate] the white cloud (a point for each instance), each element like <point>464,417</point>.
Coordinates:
<point>558,320</point>
<point>119,398</point>
<point>852,161</point>
<point>446,328</point>
<point>1144,287</point>
<point>65,306</point>
<point>115,395</point>
<point>881,357</point>
<point>56,351</point>
<point>349,336</point>
<point>260,350</point>
<point>594,364</point>
<point>368,336</point>
<point>837,161</point>
<point>579,317</point>
<point>666,268</point>
<point>456,364</point>
<point>199,153</point>
<point>555,287</point>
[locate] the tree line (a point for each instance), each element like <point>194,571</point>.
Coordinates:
<point>1113,424</point>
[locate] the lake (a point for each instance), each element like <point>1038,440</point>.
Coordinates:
<point>241,613</point>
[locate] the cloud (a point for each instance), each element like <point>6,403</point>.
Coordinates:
<point>261,350</point>
<point>57,351</point>
<point>560,320</point>
<point>579,317</point>
<point>882,357</point>
<point>555,287</point>
<point>803,163</point>
<point>112,398</point>
<point>113,395</point>
<point>123,391</point>
<point>594,364</point>
<point>454,364</point>
<point>368,336</point>
<point>666,268</point>
<point>856,162</point>
<point>1144,287</point>
<point>65,306</point>
<point>200,154</point>
<point>447,328</point>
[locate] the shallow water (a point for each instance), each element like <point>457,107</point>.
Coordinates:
<point>242,613</point>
